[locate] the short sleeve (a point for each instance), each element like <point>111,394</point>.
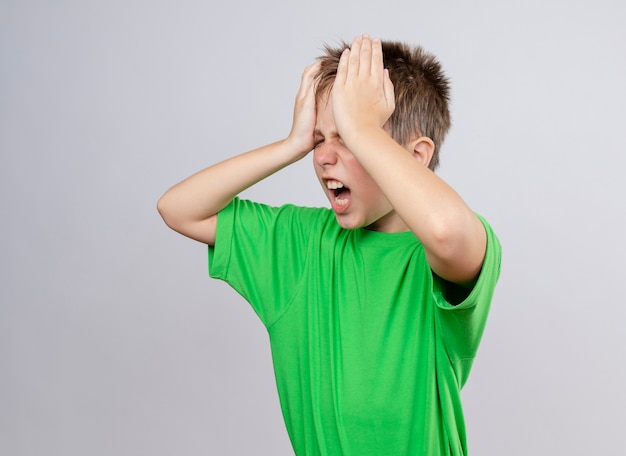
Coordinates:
<point>260,251</point>
<point>462,325</point>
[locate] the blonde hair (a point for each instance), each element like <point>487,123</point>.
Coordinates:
<point>421,91</point>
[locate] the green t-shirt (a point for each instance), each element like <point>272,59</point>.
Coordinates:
<point>368,355</point>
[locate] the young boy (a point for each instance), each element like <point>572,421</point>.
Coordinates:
<point>374,309</point>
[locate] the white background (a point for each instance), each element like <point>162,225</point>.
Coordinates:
<point>114,341</point>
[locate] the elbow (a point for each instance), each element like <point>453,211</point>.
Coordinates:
<point>443,241</point>
<point>162,205</point>
<point>166,210</point>
<point>457,248</point>
<point>451,232</point>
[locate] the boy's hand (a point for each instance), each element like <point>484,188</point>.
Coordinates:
<point>362,96</point>
<point>301,137</point>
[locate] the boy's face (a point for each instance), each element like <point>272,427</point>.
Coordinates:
<point>354,196</point>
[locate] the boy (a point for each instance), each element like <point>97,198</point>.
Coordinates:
<point>375,308</point>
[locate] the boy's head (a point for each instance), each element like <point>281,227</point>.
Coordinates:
<point>421,92</point>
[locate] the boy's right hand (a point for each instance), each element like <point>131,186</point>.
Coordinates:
<point>301,137</point>
<point>191,206</point>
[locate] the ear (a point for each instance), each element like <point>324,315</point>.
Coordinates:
<point>423,149</point>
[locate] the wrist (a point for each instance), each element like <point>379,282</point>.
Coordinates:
<point>296,148</point>
<point>358,136</point>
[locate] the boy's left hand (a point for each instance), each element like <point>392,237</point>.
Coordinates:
<point>362,95</point>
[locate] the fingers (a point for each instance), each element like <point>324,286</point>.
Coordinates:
<point>308,76</point>
<point>364,58</point>
<point>376,57</point>
<point>342,67</point>
<point>301,134</point>
<point>362,94</point>
<point>388,89</point>
<point>354,61</point>
<point>312,69</point>
<point>307,83</point>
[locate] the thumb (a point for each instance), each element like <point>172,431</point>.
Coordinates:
<point>388,89</point>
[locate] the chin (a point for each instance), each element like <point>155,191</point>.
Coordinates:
<point>347,223</point>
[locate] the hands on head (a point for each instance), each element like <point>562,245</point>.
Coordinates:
<point>362,95</point>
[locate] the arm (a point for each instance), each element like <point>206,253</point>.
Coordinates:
<point>362,100</point>
<point>191,206</point>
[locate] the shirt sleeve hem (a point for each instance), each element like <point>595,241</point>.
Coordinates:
<point>486,277</point>
<point>219,254</point>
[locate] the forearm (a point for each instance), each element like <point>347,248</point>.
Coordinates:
<point>451,233</point>
<point>191,206</point>
<point>206,192</point>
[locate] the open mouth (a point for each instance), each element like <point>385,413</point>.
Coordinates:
<point>340,194</point>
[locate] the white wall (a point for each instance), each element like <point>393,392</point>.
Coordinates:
<point>114,341</point>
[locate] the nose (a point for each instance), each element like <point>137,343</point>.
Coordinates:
<point>325,154</point>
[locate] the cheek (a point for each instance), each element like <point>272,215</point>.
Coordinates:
<point>365,180</point>
<point>355,168</point>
